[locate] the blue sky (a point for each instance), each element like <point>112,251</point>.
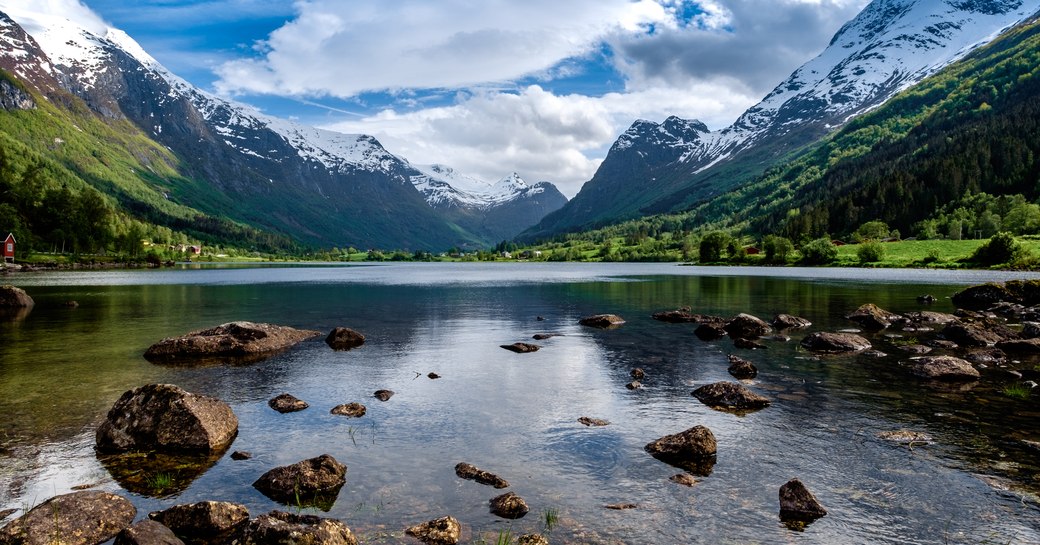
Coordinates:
<point>489,87</point>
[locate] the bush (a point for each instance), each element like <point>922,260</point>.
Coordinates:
<point>777,249</point>
<point>712,245</point>
<point>872,230</point>
<point>819,252</point>
<point>871,251</point>
<point>1001,248</point>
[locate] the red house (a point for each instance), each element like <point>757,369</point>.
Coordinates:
<point>9,243</point>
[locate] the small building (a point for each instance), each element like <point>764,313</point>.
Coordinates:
<point>195,250</point>
<point>752,250</point>
<point>9,244</point>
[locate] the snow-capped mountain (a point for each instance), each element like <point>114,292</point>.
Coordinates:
<point>888,47</point>
<point>318,185</point>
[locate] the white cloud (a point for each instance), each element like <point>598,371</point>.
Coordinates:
<point>34,15</point>
<point>541,135</point>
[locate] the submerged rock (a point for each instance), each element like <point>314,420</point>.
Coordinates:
<point>982,297</point>
<point>621,506</point>
<point>730,396</point>
<point>544,336</point>
<point>798,504</point>
<point>787,321</point>
<point>593,422</point>
<point>12,297</point>
<point>314,482</point>
<point>693,450</point>
<point>281,528</point>
<point>970,335</point>
<point>637,373</point>
<point>602,321</point>
<point>232,340</point>
<point>746,326</point>
<point>344,338</point>
<point>748,344</point>
<point>509,506</point>
<point>986,356</point>
<point>532,539</point>
<point>709,332</point>
<point>432,376</point>
<point>684,479</point>
<point>353,410</point>
<point>634,385</point>
<point>206,521</point>
<point>470,472</point>
<point>873,317</point>
<point>678,316</point>
<point>80,518</point>
<point>741,368</point>
<point>834,343</point>
<point>442,531</point>
<point>287,403</point>
<point>240,455</point>
<point>521,348</point>
<point>166,418</point>
<point>383,395</point>
<point>906,437</point>
<point>148,532</point>
<point>943,368</point>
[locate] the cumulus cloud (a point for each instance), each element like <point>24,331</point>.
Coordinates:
<point>542,135</point>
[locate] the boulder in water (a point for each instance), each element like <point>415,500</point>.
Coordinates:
<point>166,418</point>
<point>80,518</point>
<point>234,340</point>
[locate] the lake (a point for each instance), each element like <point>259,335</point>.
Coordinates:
<point>515,415</point>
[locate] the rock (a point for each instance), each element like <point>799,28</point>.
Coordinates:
<point>787,321</point>
<point>148,532</point>
<point>205,521</point>
<point>166,418</point>
<point>70,304</point>
<point>797,503</point>
<point>982,297</point>
<point>637,373</point>
<point>1030,330</point>
<point>80,518</point>
<point>12,297</point>
<point>521,348</point>
<point>353,410</point>
<point>241,455</point>
<point>621,506</point>
<point>344,338</point>
<point>634,385</point>
<point>693,449</point>
<point>709,332</point>
<point>684,479</point>
<point>834,343</point>
<point>970,334</point>
<point>746,326</point>
<point>926,299</point>
<point>915,348</point>
<point>281,528</point>
<point>742,368</point>
<point>233,340</point>
<point>383,395</point>
<point>593,422</point>
<point>4,513</point>
<point>602,321</point>
<point>748,344</point>
<point>286,403</point>
<point>509,506</point>
<point>929,317</point>
<point>941,344</point>
<point>433,376</point>
<point>544,336</point>
<point>310,482</point>
<point>873,317</point>
<point>680,316</point>
<point>442,531</point>
<point>730,396</point>
<point>532,539</point>
<point>906,437</point>
<point>540,318</point>
<point>470,472</point>
<point>1020,346</point>
<point>986,356</point>
<point>943,368</point>
<point>874,354</point>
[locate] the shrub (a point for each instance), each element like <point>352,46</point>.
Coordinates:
<point>871,251</point>
<point>777,249</point>
<point>872,230</point>
<point>1001,248</point>
<point>819,252</point>
<point>712,245</point>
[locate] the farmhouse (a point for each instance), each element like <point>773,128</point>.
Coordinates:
<point>9,244</point>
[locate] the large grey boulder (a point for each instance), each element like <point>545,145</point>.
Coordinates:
<point>788,321</point>
<point>12,297</point>
<point>166,418</point>
<point>148,532</point>
<point>602,321</point>
<point>281,528</point>
<point>834,343</point>
<point>971,335</point>
<point>310,482</point>
<point>80,518</point>
<point>509,506</point>
<point>246,340</point>
<point>205,521</point>
<point>746,326</point>
<point>871,316</point>
<point>741,368</point>
<point>943,368</point>
<point>344,338</point>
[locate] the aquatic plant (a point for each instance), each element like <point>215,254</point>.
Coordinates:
<point>550,518</point>
<point>1016,390</point>
<point>160,481</point>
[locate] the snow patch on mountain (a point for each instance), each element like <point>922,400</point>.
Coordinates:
<point>444,186</point>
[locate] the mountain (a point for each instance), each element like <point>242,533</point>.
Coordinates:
<point>319,187</point>
<point>675,165</point>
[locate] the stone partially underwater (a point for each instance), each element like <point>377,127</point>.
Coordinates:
<point>233,342</point>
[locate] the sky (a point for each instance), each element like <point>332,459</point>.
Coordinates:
<point>488,87</point>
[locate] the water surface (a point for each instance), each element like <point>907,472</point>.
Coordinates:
<point>516,414</point>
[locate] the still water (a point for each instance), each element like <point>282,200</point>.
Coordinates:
<point>516,414</point>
